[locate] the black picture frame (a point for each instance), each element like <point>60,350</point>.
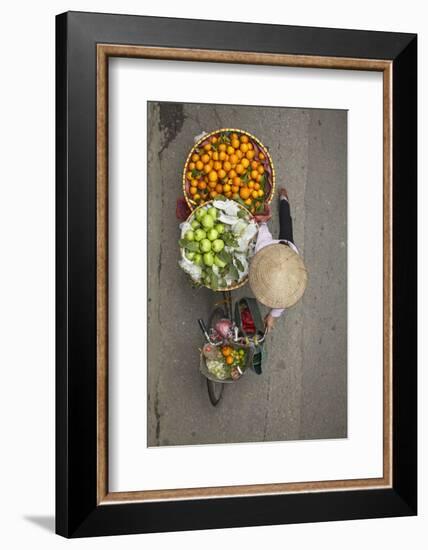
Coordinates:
<point>77,512</point>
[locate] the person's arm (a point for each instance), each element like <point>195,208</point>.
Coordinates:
<point>264,236</point>
<point>271,317</point>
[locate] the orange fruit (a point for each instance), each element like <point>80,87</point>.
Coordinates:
<point>207,146</point>
<point>250,184</point>
<point>207,168</point>
<point>229,359</point>
<point>261,169</point>
<point>261,156</point>
<point>244,147</point>
<point>245,162</point>
<point>226,188</point>
<point>228,194</point>
<point>191,165</point>
<point>254,174</point>
<point>217,165</point>
<point>213,176</point>
<point>250,146</point>
<point>254,164</point>
<point>260,192</point>
<point>248,202</point>
<point>193,190</point>
<point>199,165</point>
<point>219,188</point>
<point>195,157</point>
<point>221,174</point>
<point>232,174</point>
<point>214,139</point>
<point>226,351</point>
<point>213,194</point>
<point>239,154</point>
<point>212,184</point>
<point>205,158</point>
<point>244,139</point>
<point>196,197</point>
<point>257,186</point>
<point>222,147</point>
<point>250,155</point>
<point>244,193</point>
<point>236,180</point>
<point>202,185</point>
<point>230,150</point>
<point>234,135</point>
<point>235,188</point>
<point>227,166</point>
<point>222,155</point>
<point>235,143</point>
<point>233,159</point>
<point>235,196</point>
<point>215,155</point>
<point>239,169</point>
<point>189,175</point>
<point>255,194</point>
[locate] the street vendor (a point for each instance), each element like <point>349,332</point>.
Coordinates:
<point>277,275</point>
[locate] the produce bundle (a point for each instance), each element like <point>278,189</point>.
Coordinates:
<point>225,362</point>
<point>216,243</point>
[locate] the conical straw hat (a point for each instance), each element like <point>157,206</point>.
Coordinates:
<point>278,276</point>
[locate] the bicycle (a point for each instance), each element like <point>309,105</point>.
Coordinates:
<point>238,337</point>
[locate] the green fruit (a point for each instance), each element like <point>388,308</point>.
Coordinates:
<point>212,212</point>
<point>200,234</point>
<point>218,245</point>
<point>189,236</point>
<point>208,259</point>
<point>218,262</point>
<point>212,234</point>
<point>195,224</point>
<point>190,255</point>
<point>200,214</point>
<point>205,245</point>
<point>207,222</point>
<point>219,228</point>
<point>197,258</point>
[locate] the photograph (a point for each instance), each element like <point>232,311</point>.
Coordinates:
<point>247,274</point>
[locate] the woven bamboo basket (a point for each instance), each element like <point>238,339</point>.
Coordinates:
<point>192,217</point>
<point>270,170</point>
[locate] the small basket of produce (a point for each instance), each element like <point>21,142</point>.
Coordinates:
<point>216,243</point>
<point>227,363</point>
<point>233,163</point>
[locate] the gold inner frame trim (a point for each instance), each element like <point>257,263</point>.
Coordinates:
<point>104,51</point>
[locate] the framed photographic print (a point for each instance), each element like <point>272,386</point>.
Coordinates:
<point>236,274</point>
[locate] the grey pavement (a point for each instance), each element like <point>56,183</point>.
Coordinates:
<point>302,393</point>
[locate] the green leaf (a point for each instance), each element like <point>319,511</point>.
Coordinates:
<point>262,182</point>
<point>182,243</point>
<point>224,137</point>
<point>196,173</point>
<point>239,265</point>
<point>214,281</point>
<point>229,239</point>
<point>191,246</point>
<point>233,272</point>
<point>225,256</point>
<point>242,214</point>
<point>220,198</point>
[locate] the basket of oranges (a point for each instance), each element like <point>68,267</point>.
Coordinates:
<point>232,163</point>
<point>226,363</point>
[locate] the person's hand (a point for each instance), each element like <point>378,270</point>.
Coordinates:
<point>264,216</point>
<point>269,322</point>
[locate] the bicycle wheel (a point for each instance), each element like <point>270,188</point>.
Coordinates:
<point>215,389</point>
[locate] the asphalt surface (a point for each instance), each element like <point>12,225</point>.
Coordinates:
<point>302,393</point>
